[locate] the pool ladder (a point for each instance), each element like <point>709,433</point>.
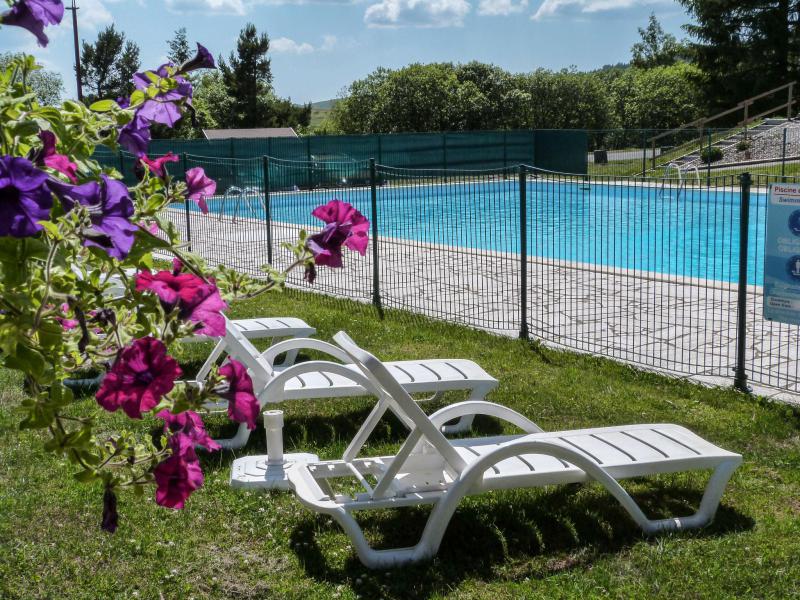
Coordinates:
<point>681,180</point>
<point>239,195</point>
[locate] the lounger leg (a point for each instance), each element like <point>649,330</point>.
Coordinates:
<point>380,559</point>
<point>288,361</point>
<point>459,425</point>
<point>708,504</point>
<point>238,440</point>
<point>465,423</point>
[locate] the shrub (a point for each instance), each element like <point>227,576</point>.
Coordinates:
<point>710,155</point>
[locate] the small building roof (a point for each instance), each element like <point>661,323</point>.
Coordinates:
<point>259,132</point>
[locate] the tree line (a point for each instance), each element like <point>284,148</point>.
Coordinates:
<point>735,49</point>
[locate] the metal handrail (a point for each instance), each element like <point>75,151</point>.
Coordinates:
<point>743,105</point>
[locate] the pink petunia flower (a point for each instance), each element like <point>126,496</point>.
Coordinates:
<point>199,187</point>
<point>345,226</point>
<point>156,166</point>
<point>197,301</point>
<point>190,424</point>
<point>179,475</point>
<point>142,374</point>
<point>243,406</point>
<point>48,157</point>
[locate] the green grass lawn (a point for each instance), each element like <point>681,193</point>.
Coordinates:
<point>561,542</point>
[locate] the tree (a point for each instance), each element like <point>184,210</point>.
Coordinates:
<point>47,85</point>
<point>744,47</point>
<point>472,96</point>
<point>108,65</point>
<point>248,78</point>
<point>657,98</point>
<point>179,49</point>
<point>657,48</point>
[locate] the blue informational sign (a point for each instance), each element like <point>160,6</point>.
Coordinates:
<point>782,254</point>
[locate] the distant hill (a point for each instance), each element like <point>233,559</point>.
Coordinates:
<point>320,111</point>
<point>324,104</point>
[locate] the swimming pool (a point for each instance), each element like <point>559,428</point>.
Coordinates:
<point>657,229</point>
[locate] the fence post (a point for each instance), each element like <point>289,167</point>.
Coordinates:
<point>310,173</point>
<point>708,165</point>
<point>644,152</point>
<point>505,153</point>
<point>783,153</point>
<point>267,208</point>
<point>376,282</point>
<point>653,154</point>
<point>523,253</point>
<point>186,206</point>
<point>740,378</point>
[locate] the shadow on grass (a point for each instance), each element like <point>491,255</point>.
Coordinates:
<point>538,532</point>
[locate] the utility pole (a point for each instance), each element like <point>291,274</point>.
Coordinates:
<point>74,10</point>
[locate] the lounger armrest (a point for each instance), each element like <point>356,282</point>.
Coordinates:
<point>303,344</point>
<point>273,392</point>
<point>482,407</point>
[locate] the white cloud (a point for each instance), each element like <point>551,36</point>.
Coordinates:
<point>550,8</point>
<point>501,7</point>
<point>225,7</point>
<point>417,13</point>
<point>284,45</point>
<point>92,15</point>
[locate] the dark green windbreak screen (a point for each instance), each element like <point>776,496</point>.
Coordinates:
<point>556,150</point>
<point>562,150</point>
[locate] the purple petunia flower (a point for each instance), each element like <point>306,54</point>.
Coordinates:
<point>179,475</point>
<point>110,209</point>
<point>142,374</point>
<point>345,226</point>
<point>163,107</point>
<point>201,60</point>
<point>190,424</point>
<point>25,198</point>
<point>243,405</point>
<point>197,301</point>
<point>135,135</point>
<point>34,15</point>
<point>199,187</point>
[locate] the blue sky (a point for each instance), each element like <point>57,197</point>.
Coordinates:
<point>319,46</point>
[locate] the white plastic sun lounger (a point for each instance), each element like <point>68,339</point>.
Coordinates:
<point>429,469</point>
<point>275,328</point>
<point>319,379</point>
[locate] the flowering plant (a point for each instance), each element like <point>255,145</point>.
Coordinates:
<point>78,285</point>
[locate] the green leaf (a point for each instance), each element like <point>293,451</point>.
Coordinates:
<point>103,105</point>
<point>85,476</point>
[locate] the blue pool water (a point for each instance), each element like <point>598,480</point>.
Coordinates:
<point>691,233</point>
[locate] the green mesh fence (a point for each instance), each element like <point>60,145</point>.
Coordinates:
<point>561,150</point>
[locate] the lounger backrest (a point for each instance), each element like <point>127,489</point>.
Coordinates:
<point>377,372</point>
<point>243,350</point>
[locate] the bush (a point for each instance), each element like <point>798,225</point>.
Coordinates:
<point>710,155</point>
<point>743,146</point>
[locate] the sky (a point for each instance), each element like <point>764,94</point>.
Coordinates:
<point>319,46</point>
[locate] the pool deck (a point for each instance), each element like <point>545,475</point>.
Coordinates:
<point>684,327</point>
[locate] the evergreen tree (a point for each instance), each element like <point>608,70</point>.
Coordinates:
<point>248,78</point>
<point>657,48</point>
<point>744,46</point>
<point>108,65</point>
<point>179,50</point>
